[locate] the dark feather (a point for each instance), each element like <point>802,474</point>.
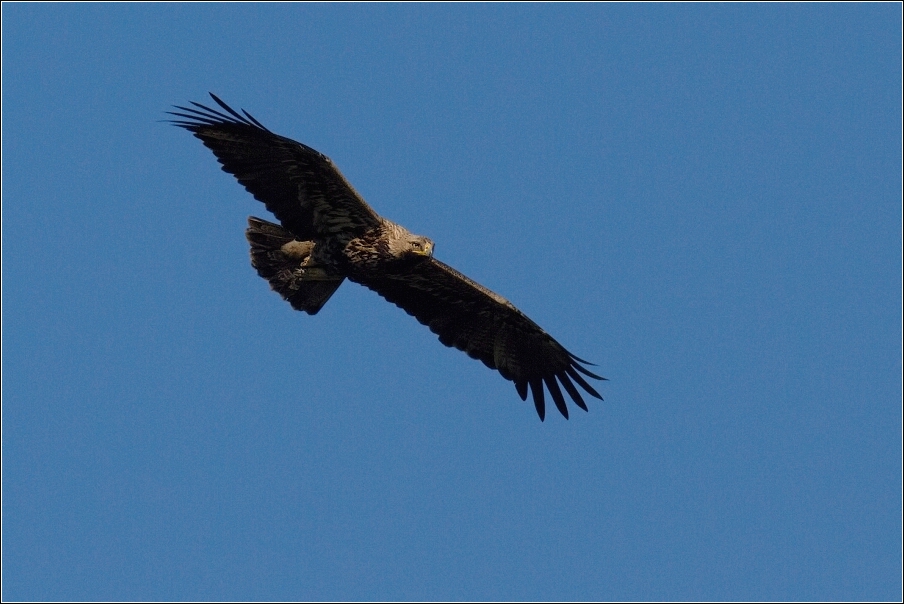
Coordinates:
<point>521,387</point>
<point>573,392</point>
<point>536,388</point>
<point>556,393</point>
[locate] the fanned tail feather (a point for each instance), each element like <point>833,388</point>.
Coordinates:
<point>283,261</point>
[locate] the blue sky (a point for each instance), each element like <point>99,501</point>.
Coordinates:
<point>704,200</point>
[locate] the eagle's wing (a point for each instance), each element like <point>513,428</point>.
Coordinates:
<point>301,186</point>
<point>468,316</point>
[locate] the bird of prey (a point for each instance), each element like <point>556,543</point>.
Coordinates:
<point>327,233</point>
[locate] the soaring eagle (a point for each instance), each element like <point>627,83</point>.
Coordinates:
<point>327,233</point>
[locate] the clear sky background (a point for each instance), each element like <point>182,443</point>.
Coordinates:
<point>704,200</point>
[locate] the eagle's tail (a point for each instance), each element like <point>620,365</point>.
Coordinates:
<point>283,261</point>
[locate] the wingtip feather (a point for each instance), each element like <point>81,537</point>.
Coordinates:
<point>587,372</point>
<point>536,388</point>
<point>572,391</point>
<point>556,393</point>
<point>583,383</point>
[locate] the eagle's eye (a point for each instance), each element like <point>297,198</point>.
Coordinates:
<point>417,245</point>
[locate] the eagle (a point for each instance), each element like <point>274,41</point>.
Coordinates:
<point>327,233</point>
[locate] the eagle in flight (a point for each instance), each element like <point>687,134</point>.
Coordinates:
<point>327,233</point>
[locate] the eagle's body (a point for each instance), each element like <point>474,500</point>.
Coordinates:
<point>328,234</point>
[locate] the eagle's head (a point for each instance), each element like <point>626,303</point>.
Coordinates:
<point>420,246</point>
<point>408,247</point>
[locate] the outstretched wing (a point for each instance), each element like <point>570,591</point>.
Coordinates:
<point>468,316</point>
<point>301,186</point>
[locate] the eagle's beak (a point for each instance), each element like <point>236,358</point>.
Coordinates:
<point>428,250</point>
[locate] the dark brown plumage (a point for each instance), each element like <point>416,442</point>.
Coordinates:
<point>329,233</point>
